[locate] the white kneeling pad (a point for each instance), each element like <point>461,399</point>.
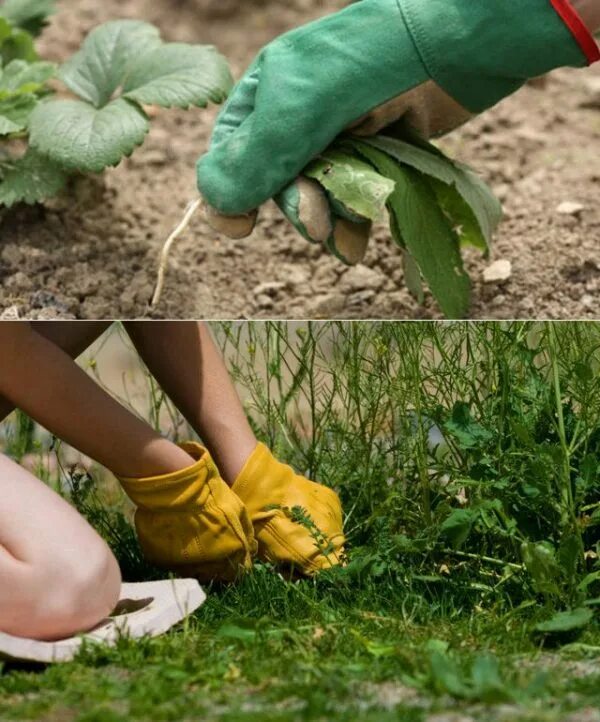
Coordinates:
<point>148,609</point>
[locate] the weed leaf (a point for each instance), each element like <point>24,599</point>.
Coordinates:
<point>446,677</point>
<point>426,233</point>
<point>465,429</point>
<point>488,685</point>
<point>79,136</point>
<point>485,207</point>
<point>457,527</point>
<point>569,621</point>
<point>178,76</point>
<point>352,182</point>
<point>540,562</point>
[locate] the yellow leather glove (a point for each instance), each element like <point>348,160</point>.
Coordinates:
<point>190,522</point>
<point>276,497</point>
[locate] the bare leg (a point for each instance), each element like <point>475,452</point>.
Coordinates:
<point>45,383</point>
<point>185,361</point>
<point>57,576</point>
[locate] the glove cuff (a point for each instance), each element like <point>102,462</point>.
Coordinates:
<point>502,44</point>
<point>263,482</point>
<point>178,490</point>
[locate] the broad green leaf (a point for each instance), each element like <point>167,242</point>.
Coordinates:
<point>446,676</point>
<point>8,126</point>
<point>19,46</point>
<point>102,65</point>
<point>488,685</point>
<point>485,207</point>
<point>465,429</point>
<point>15,113</point>
<point>566,621</point>
<point>412,274</point>
<point>79,136</point>
<point>178,76</point>
<point>570,555</point>
<point>413,278</point>
<point>245,632</point>
<point>5,29</point>
<point>589,579</point>
<point>22,77</point>
<point>461,216</point>
<point>426,233</point>
<point>30,15</point>
<point>540,562</point>
<point>30,179</point>
<point>457,527</point>
<point>352,182</point>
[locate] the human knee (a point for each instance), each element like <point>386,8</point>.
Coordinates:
<point>78,596</point>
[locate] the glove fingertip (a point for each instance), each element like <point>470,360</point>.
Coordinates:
<point>304,203</point>
<point>349,241</point>
<point>235,227</point>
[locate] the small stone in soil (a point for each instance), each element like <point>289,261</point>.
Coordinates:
<point>327,305</point>
<point>570,208</point>
<point>359,278</point>
<point>587,301</point>
<point>10,314</point>
<point>269,289</point>
<point>264,301</point>
<point>498,272</point>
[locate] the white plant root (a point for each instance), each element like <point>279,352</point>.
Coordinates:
<point>191,209</point>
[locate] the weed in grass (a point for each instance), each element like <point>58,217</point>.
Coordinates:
<point>466,456</point>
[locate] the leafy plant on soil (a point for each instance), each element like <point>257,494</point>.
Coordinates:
<point>467,459</point>
<point>99,117</point>
<point>436,207</point>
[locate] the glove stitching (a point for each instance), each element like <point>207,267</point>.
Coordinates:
<point>419,40</point>
<point>238,531</point>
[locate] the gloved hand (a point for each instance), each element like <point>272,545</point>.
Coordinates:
<point>191,522</point>
<point>434,63</point>
<point>276,498</point>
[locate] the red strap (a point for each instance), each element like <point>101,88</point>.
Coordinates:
<point>580,32</point>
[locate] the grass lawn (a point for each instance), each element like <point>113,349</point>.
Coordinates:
<point>336,650</point>
<point>467,460</point>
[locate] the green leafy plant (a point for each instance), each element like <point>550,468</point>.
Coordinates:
<point>436,207</point>
<point>99,116</point>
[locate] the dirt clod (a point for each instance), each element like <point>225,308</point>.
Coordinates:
<point>498,272</point>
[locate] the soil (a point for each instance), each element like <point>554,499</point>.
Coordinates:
<point>93,253</point>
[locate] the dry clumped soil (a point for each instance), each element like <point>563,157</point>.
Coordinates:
<point>93,253</point>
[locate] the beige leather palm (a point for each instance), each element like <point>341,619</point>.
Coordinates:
<point>427,108</point>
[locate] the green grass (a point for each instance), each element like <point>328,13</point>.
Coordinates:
<point>456,552</point>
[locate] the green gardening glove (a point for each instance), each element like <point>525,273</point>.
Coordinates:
<point>433,63</point>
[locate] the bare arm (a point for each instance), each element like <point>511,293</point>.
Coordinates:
<point>185,361</point>
<point>51,584</point>
<point>45,383</point>
<point>590,13</point>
